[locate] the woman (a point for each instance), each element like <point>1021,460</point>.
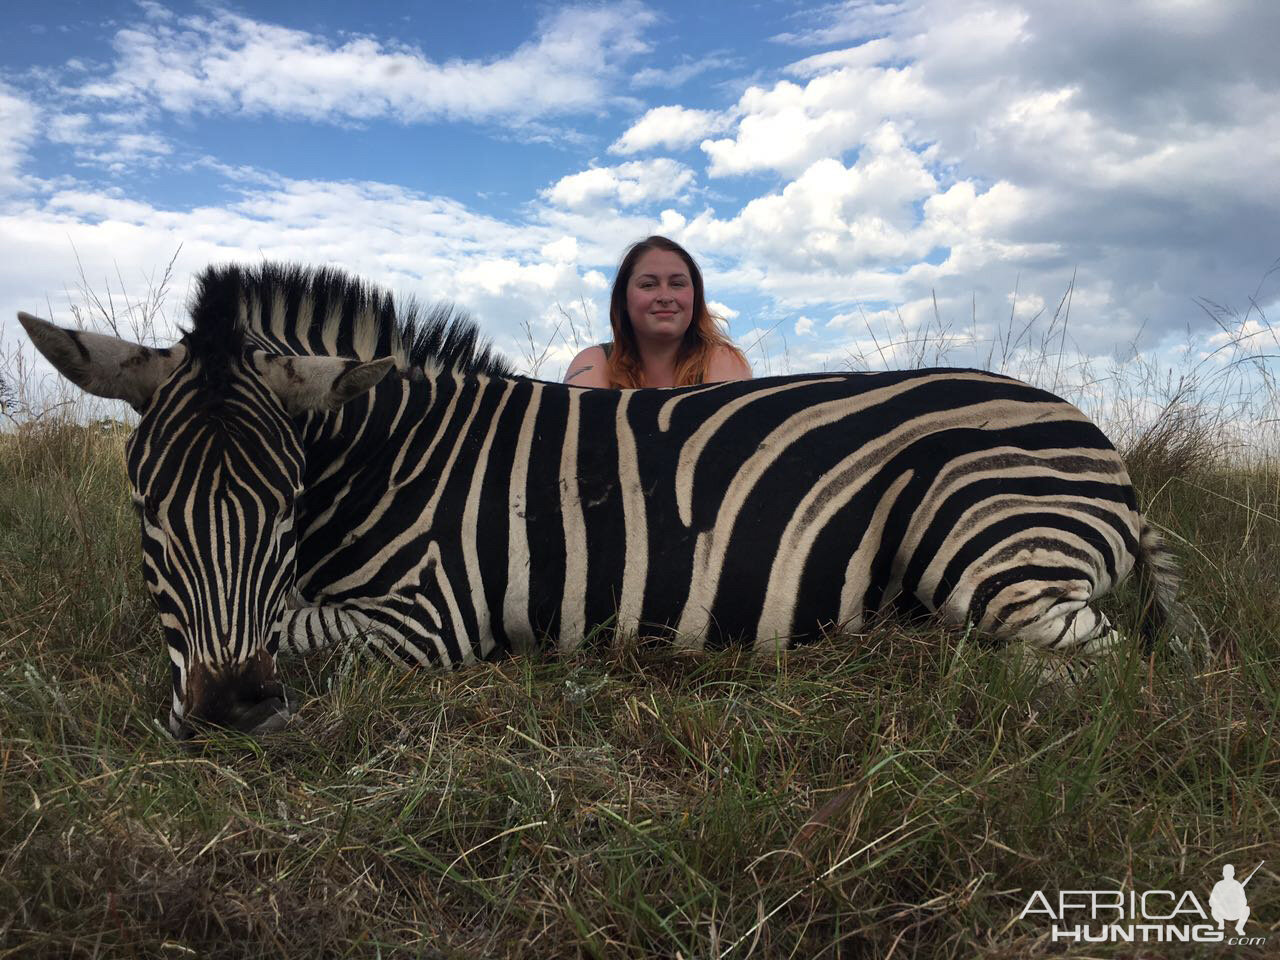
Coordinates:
<point>663,334</point>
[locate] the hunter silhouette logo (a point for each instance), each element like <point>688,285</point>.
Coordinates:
<point>1227,901</point>
<point>1147,916</point>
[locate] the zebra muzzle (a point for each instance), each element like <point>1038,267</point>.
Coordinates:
<point>249,700</point>
<point>268,713</point>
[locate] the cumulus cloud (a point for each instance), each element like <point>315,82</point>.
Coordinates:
<point>564,250</point>
<point>1121,146</point>
<point>787,127</point>
<point>916,161</point>
<point>627,184</point>
<point>225,62</point>
<point>720,310</point>
<point>673,128</point>
<point>430,247</point>
<point>833,216</point>
<point>1106,108</point>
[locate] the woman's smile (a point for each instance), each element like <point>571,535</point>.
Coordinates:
<point>660,296</point>
<point>663,333</point>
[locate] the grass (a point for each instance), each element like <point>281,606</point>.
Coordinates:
<point>896,793</point>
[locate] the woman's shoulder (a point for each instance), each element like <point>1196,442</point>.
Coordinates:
<point>590,368</point>
<point>727,363</point>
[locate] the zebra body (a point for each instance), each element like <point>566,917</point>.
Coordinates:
<point>294,492</point>
<point>511,510</point>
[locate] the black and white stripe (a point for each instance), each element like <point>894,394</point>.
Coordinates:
<point>455,511</point>
<point>483,513</point>
<point>215,491</point>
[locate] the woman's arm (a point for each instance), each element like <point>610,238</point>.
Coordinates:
<point>588,369</point>
<point>727,365</point>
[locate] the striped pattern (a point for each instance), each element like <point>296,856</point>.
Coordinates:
<point>457,512</point>
<point>215,491</point>
<point>483,514</point>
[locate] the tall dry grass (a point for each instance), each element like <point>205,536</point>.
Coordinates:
<point>899,792</point>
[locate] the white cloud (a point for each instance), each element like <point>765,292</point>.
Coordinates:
<point>68,127</point>
<point>972,146</point>
<point>628,184</point>
<point>674,128</point>
<point>601,235</point>
<point>678,74</point>
<point>17,132</point>
<point>722,311</point>
<point>431,247</point>
<point>117,143</point>
<point>832,216</point>
<point>564,250</point>
<point>851,20</point>
<point>869,54</point>
<point>226,62</point>
<point>1136,87</point>
<point>1116,145</point>
<point>788,127</point>
<point>130,151</point>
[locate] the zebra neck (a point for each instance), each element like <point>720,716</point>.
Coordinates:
<point>385,457</point>
<point>372,435</point>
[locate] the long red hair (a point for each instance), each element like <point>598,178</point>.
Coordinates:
<point>700,340</point>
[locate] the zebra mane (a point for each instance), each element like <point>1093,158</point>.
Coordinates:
<point>304,311</point>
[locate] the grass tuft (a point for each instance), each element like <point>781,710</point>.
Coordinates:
<point>900,791</point>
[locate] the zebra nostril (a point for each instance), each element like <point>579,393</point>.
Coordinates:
<point>272,720</point>
<point>253,707</point>
<point>266,711</point>
<point>265,716</point>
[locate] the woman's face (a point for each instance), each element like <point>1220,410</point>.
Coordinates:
<point>660,296</point>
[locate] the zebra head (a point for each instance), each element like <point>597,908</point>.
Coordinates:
<point>216,465</point>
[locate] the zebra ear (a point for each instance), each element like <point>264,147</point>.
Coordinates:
<point>318,383</point>
<point>102,365</point>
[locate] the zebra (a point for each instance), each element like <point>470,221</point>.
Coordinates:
<point>315,462</point>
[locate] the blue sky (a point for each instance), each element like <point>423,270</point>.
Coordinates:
<point>838,169</point>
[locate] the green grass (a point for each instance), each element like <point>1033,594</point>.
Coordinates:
<point>900,792</point>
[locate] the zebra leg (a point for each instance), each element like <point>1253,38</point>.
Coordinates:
<point>307,629</point>
<point>1062,642</point>
<point>1047,625</point>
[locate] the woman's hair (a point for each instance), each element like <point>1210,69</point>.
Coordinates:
<point>700,340</point>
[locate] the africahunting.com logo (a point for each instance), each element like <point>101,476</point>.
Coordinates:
<point>1152,916</point>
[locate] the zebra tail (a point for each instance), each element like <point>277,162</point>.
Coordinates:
<point>1159,579</point>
